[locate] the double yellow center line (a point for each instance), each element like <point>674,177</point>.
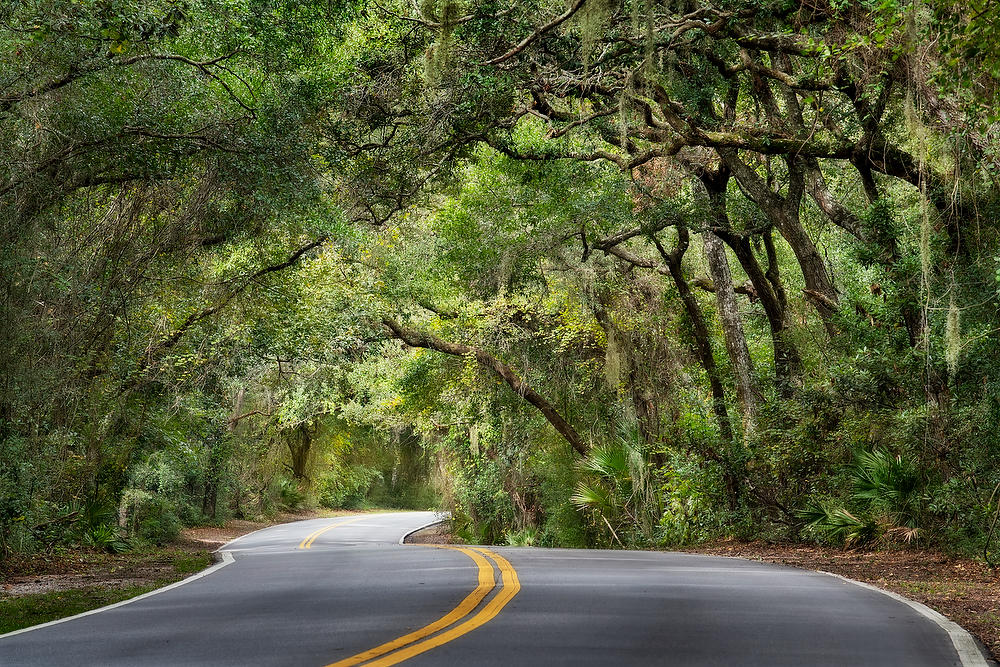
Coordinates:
<point>457,622</point>
<point>510,588</point>
<point>409,645</point>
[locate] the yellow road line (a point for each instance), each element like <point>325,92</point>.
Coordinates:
<point>465,607</point>
<point>307,542</point>
<point>511,586</point>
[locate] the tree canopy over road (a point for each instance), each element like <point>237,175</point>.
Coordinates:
<point>584,272</point>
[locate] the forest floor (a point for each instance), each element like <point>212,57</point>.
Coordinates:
<point>42,587</point>
<point>964,590</point>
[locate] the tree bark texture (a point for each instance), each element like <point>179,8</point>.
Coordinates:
<point>783,212</point>
<point>732,328</point>
<point>767,284</point>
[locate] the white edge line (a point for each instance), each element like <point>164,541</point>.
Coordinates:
<point>227,558</point>
<point>969,653</point>
<point>252,532</point>
<point>445,516</point>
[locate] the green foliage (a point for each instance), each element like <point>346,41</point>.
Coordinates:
<point>619,490</point>
<point>105,537</point>
<point>23,611</point>
<point>211,210</point>
<point>526,537</point>
<point>887,484</point>
<point>149,517</point>
<point>486,509</point>
<point>560,523</point>
<point>347,489</point>
<point>26,610</point>
<point>887,495</point>
<point>693,509</point>
<point>291,495</point>
<point>190,563</point>
<point>839,526</point>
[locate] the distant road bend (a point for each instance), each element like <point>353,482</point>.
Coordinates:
<point>343,592</point>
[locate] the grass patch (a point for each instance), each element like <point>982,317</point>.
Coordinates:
<point>28,610</point>
<point>185,564</point>
<point>934,588</point>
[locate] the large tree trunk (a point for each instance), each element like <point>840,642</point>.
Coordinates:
<point>732,474</point>
<point>767,285</point>
<point>787,363</point>
<point>783,212</point>
<point>299,446</point>
<point>819,288</point>
<point>732,328</point>
<point>415,338</point>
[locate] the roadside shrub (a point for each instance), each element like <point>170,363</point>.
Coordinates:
<point>889,485</point>
<point>94,512</point>
<point>483,509</point>
<point>347,487</point>
<point>619,491</point>
<point>291,494</point>
<point>105,537</point>
<point>560,523</point>
<point>526,537</point>
<point>836,525</point>
<point>692,501</point>
<point>158,474</point>
<point>149,516</point>
<point>885,502</point>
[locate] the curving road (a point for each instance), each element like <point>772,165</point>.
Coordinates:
<point>329,591</point>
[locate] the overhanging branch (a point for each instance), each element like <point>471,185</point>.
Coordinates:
<point>415,338</point>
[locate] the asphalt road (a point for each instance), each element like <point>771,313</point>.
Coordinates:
<point>317,592</point>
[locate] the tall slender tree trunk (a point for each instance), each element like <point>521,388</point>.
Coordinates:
<point>819,287</point>
<point>783,212</point>
<point>787,363</point>
<point>767,284</point>
<point>703,340</point>
<point>732,473</point>
<point>732,328</point>
<point>299,446</point>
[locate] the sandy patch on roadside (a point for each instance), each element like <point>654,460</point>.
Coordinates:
<point>439,533</point>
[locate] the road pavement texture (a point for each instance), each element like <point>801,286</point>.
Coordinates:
<point>345,592</point>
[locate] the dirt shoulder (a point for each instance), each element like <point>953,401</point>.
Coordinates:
<point>43,587</point>
<point>964,590</point>
<point>439,533</point>
<point>85,568</point>
<point>79,569</point>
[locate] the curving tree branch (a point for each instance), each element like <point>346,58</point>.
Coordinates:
<point>415,338</point>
